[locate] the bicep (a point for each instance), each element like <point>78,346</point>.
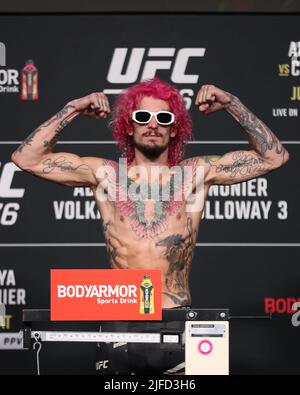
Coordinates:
<point>65,168</point>
<point>235,167</point>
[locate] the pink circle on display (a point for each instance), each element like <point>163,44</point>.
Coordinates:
<point>205,347</point>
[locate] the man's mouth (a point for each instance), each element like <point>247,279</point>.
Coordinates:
<point>152,135</point>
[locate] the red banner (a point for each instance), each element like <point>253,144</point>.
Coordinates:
<point>105,295</point>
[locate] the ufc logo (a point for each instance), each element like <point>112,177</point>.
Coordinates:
<point>178,63</point>
<point>2,55</point>
<point>102,365</point>
<point>6,179</point>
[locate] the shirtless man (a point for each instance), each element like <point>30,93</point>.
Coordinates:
<point>151,126</point>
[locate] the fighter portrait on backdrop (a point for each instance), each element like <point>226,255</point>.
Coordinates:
<point>155,225</point>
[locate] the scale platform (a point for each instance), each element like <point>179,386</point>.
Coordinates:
<point>205,338</point>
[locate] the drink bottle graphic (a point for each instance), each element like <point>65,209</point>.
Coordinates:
<point>29,76</point>
<point>147,296</point>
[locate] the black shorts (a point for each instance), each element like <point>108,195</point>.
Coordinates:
<point>139,358</point>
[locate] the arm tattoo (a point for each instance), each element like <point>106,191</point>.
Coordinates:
<point>211,158</point>
<point>61,126</point>
<point>179,253</point>
<point>29,139</point>
<point>50,144</point>
<point>260,136</point>
<point>56,117</point>
<point>242,163</point>
<point>63,164</point>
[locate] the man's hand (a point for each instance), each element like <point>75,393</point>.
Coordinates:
<point>95,105</point>
<point>210,99</point>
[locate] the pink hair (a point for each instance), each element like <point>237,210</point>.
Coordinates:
<point>128,102</point>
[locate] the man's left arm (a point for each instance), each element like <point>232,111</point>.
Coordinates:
<point>266,153</point>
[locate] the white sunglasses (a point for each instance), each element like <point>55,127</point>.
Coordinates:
<point>143,117</point>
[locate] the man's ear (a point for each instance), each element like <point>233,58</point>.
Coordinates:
<point>173,132</point>
<point>130,132</point>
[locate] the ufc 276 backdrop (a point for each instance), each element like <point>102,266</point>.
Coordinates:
<point>247,254</point>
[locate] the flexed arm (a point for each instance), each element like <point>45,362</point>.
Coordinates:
<point>35,153</point>
<point>267,152</point>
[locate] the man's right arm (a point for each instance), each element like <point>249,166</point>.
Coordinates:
<point>35,153</point>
